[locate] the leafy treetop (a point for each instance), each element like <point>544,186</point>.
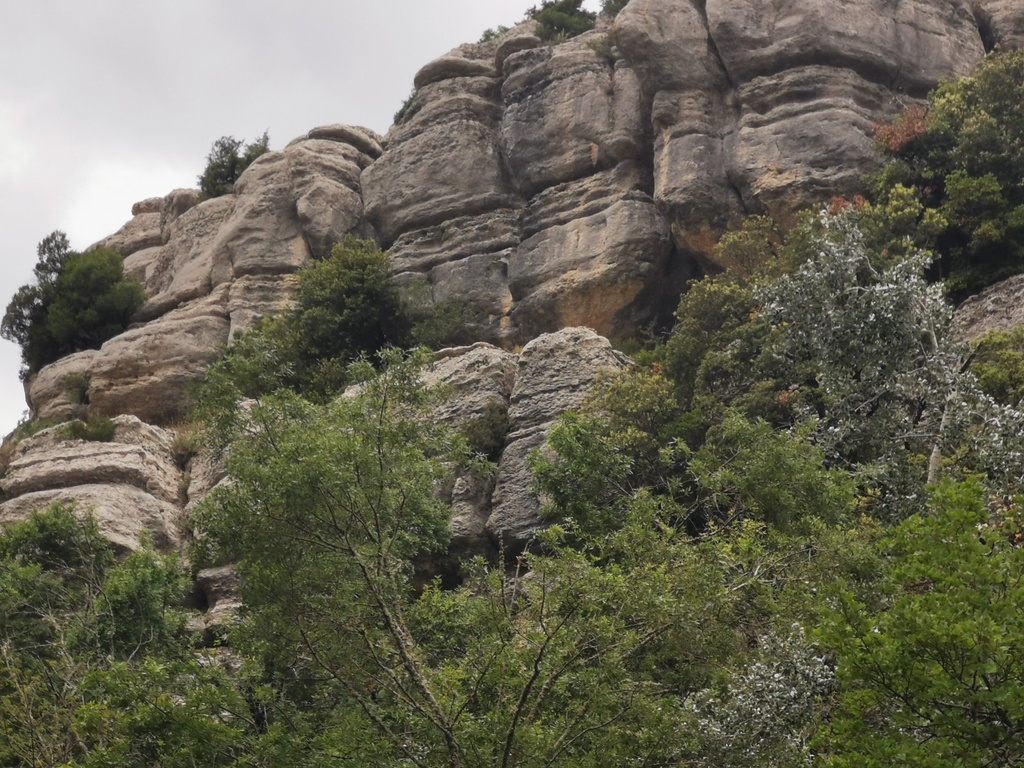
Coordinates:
<point>79,300</point>
<point>227,160</point>
<point>962,160</point>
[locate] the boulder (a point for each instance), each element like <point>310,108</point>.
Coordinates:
<point>446,163</point>
<point>999,307</point>
<point>1001,22</point>
<point>123,513</point>
<point>553,374</point>
<point>480,378</point>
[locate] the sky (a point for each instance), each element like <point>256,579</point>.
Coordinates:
<point>107,102</point>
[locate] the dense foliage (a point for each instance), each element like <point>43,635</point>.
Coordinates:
<point>94,670</point>
<point>561,19</point>
<point>78,301</point>
<point>228,158</point>
<point>960,164</point>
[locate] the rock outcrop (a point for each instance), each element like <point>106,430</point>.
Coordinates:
<point>999,307</point>
<point>135,483</point>
<point>540,186</point>
<point>584,183</point>
<point>131,483</point>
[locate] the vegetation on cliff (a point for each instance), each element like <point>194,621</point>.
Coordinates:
<point>78,301</point>
<point>957,174</point>
<point>228,158</point>
<point>787,536</point>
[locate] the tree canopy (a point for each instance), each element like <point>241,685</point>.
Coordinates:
<point>78,301</point>
<point>228,158</point>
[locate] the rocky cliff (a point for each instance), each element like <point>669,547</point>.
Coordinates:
<point>544,186</point>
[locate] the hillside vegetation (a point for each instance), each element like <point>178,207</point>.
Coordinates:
<point>788,535</point>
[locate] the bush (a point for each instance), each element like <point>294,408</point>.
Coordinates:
<point>493,33</point>
<point>346,307</point>
<point>76,388</point>
<point>95,429</point>
<point>561,19</point>
<point>611,8</point>
<point>226,162</point>
<point>404,109</point>
<point>485,434</point>
<point>998,364</point>
<point>963,159</point>
<point>79,300</point>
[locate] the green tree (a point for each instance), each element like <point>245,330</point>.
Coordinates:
<point>963,157</point>
<point>561,19</point>
<point>227,160</point>
<point>95,669</point>
<point>92,302</point>
<point>346,308</point>
<point>932,669</point>
<point>611,8</point>
<point>24,321</point>
<point>79,300</point>
<point>583,654</point>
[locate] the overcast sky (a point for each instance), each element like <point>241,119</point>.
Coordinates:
<point>107,102</point>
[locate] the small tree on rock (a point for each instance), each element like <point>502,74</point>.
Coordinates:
<point>227,160</point>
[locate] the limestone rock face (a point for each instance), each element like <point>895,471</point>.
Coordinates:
<point>481,378</point>
<point>999,307</point>
<point>527,392</point>
<point>553,374</point>
<point>540,187</point>
<point>212,268</point>
<point>584,183</point>
<point>217,590</point>
<point>130,484</point>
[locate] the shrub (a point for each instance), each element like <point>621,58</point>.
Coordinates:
<point>346,307</point>
<point>79,300</point>
<point>998,364</point>
<point>76,388</point>
<point>227,160</point>
<point>95,429</point>
<point>485,434</point>
<point>404,109</point>
<point>493,33</point>
<point>561,19</point>
<point>611,8</point>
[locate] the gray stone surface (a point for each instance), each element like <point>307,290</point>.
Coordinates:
<point>553,375</point>
<point>999,307</point>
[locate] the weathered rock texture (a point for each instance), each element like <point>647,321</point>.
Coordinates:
<point>137,483</point>
<point>999,307</point>
<point>525,394</point>
<point>541,186</point>
<point>584,183</point>
<point>131,484</point>
<point>210,269</point>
